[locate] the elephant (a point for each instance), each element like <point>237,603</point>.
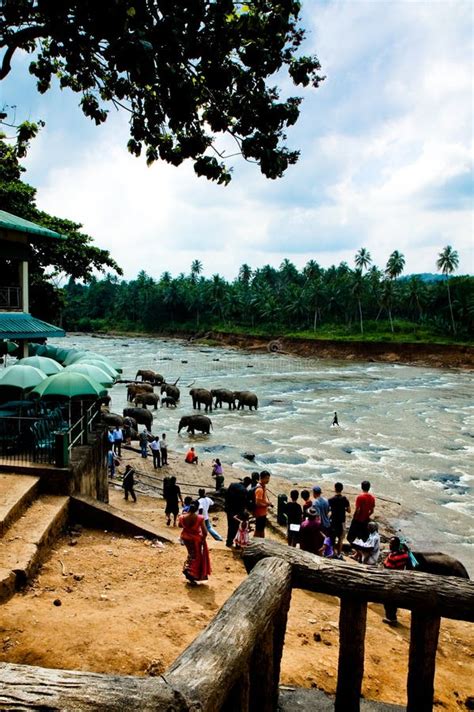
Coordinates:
<point>222,395</point>
<point>195,422</point>
<point>130,422</point>
<point>150,376</point>
<point>135,388</point>
<point>201,395</point>
<point>111,418</point>
<point>435,562</point>
<point>171,390</point>
<point>141,415</point>
<point>147,399</point>
<point>430,562</point>
<point>244,398</point>
<point>168,401</point>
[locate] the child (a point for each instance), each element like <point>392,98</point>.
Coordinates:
<point>328,547</point>
<point>294,514</point>
<point>186,504</point>
<point>308,502</point>
<point>242,537</point>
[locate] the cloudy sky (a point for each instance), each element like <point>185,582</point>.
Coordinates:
<point>386,157</point>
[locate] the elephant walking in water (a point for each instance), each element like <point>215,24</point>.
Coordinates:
<point>145,399</point>
<point>222,395</point>
<point>195,422</point>
<point>171,390</point>
<point>201,395</point>
<point>150,376</point>
<point>246,398</point>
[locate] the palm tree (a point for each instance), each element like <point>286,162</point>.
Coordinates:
<point>196,269</point>
<point>245,273</point>
<point>394,268</point>
<point>395,265</point>
<point>362,259</point>
<point>357,290</point>
<point>447,262</point>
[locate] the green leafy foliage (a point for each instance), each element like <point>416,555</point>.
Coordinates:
<point>312,303</point>
<point>186,71</point>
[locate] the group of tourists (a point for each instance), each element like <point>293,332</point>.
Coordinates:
<point>318,524</point>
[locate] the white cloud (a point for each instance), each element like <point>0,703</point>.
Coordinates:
<point>381,140</point>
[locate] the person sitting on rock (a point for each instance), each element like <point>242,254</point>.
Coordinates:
<point>397,559</point>
<point>191,457</point>
<point>368,551</point>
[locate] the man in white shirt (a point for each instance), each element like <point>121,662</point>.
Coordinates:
<point>368,552</point>
<point>204,504</point>
<point>156,452</point>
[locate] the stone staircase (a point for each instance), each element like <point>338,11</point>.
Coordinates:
<point>29,523</point>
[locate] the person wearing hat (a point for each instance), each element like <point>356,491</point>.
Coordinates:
<point>311,536</point>
<point>321,505</point>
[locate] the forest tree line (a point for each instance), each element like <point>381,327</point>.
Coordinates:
<point>339,300</point>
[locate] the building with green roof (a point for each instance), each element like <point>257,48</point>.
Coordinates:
<point>16,323</point>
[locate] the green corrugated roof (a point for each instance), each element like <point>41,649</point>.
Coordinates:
<point>17,325</point>
<point>13,222</point>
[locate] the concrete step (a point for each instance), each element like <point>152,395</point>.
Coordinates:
<point>16,494</point>
<point>28,541</point>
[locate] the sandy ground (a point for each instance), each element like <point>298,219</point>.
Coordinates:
<point>125,608</point>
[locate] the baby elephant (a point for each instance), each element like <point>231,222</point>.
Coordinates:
<point>168,401</point>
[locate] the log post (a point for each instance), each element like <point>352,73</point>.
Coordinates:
<point>239,696</point>
<point>208,671</point>
<point>422,661</point>
<point>352,624</point>
<point>262,675</point>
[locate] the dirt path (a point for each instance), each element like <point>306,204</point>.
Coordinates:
<point>125,608</point>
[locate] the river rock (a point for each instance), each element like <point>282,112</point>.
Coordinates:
<point>249,456</point>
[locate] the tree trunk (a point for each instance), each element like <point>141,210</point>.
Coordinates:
<point>360,317</point>
<point>424,634</point>
<point>350,673</point>
<point>450,306</point>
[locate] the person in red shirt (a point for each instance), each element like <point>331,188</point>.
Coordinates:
<point>398,559</point>
<point>191,457</point>
<point>364,507</point>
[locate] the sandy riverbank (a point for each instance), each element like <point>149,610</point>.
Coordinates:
<point>126,608</point>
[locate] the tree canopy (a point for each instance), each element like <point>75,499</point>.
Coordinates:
<point>185,71</point>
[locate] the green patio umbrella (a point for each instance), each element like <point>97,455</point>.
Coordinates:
<point>100,357</point>
<point>69,384</point>
<point>95,372</point>
<point>72,356</point>
<point>89,361</point>
<point>8,347</point>
<point>22,377</point>
<point>48,365</point>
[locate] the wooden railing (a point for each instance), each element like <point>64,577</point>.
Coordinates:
<point>428,597</point>
<point>234,664</point>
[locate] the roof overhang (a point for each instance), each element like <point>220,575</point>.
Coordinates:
<point>18,325</point>
<point>12,226</point>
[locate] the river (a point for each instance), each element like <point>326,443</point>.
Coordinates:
<point>409,430</point>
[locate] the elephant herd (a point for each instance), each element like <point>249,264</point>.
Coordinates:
<point>141,394</point>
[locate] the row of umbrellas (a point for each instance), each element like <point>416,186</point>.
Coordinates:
<point>62,373</point>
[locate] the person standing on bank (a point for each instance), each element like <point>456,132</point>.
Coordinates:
<point>143,440</point>
<point>164,450</point>
<point>364,508</point>
<point>117,434</point>
<point>321,505</point>
<point>235,504</point>
<point>262,505</point>
<point>338,507</point>
<point>155,448</point>
<point>204,504</point>
<point>129,482</point>
<point>197,566</point>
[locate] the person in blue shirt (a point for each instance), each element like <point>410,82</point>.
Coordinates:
<point>321,505</point>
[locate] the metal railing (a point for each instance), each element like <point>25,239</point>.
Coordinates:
<point>45,439</point>
<point>10,298</point>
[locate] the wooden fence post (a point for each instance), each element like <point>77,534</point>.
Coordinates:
<point>350,672</point>
<point>422,661</point>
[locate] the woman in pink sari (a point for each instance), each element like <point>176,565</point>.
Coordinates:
<point>198,564</point>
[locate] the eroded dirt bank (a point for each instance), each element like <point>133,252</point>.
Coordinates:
<point>433,355</point>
